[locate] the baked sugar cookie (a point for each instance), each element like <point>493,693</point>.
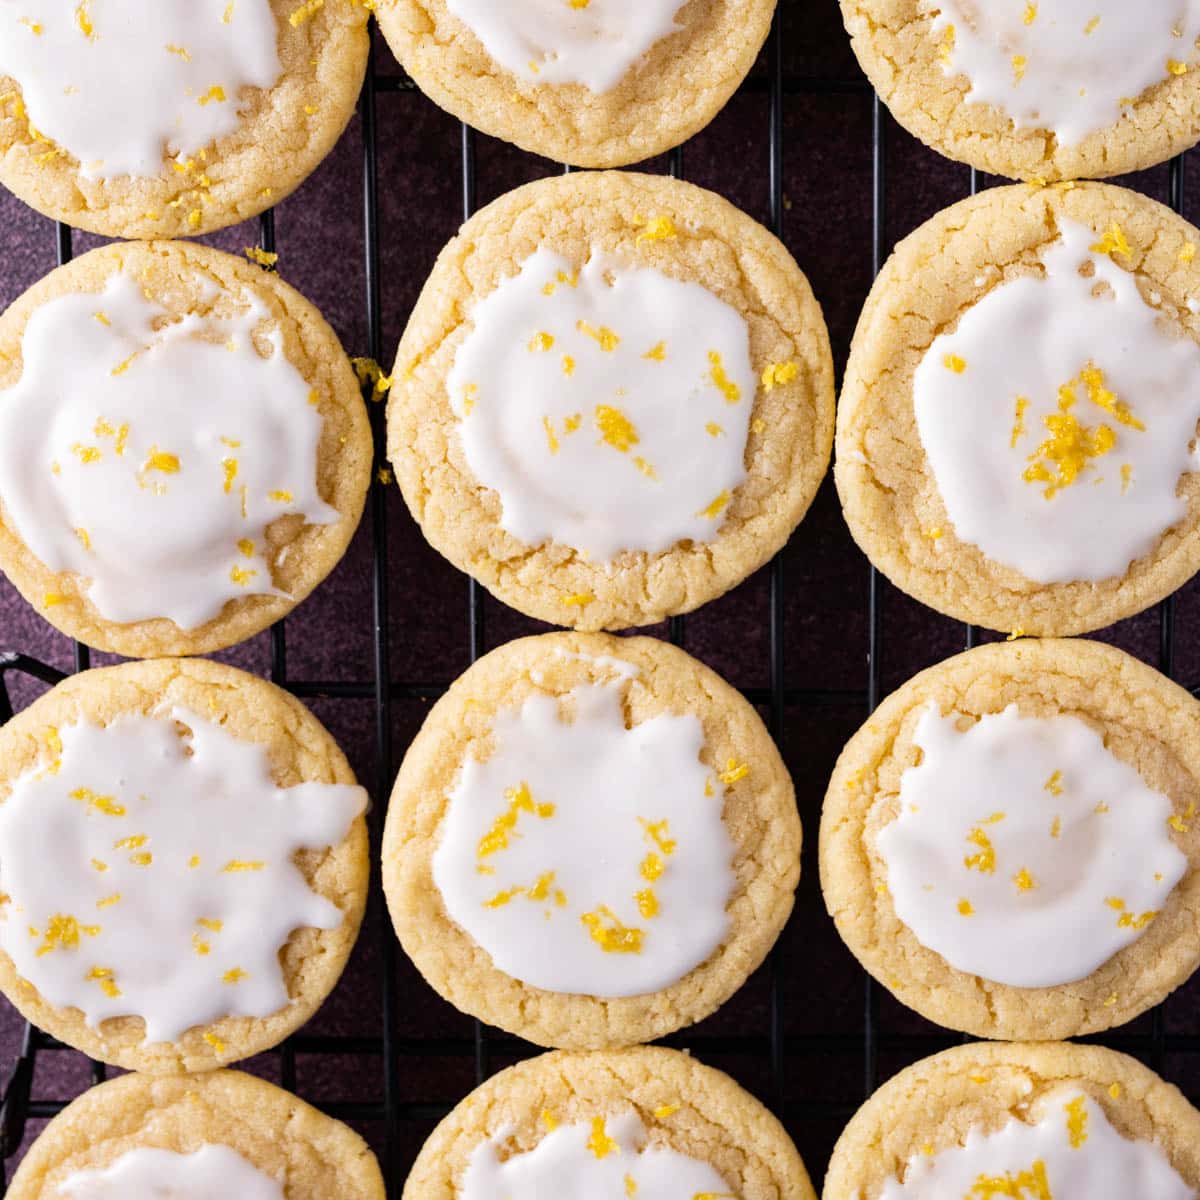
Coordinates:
<point>220,1134</point>
<point>614,399</point>
<point>1011,844</point>
<point>183,861</point>
<point>597,84</point>
<point>1043,1122</point>
<point>1016,429</point>
<point>644,1122</point>
<point>1037,89</point>
<point>231,104</point>
<point>592,842</point>
<point>192,468</point>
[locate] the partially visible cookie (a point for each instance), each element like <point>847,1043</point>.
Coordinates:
<point>648,1122</point>
<point>1015,430</point>
<point>599,84</point>
<point>221,1133</point>
<point>232,104</point>
<point>1036,90</point>
<point>194,465</point>
<point>183,860</point>
<point>592,841</point>
<point>613,401</point>
<point>1011,844</point>
<point>1051,1120</point>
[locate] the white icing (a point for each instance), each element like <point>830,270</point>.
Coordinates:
<point>118,99</point>
<point>1069,1152</point>
<point>563,1166</point>
<point>603,784</point>
<point>219,838</point>
<point>213,1172</point>
<point>1027,339</point>
<point>575,487</point>
<point>1044,796</point>
<point>156,543</point>
<point>596,43</point>
<point>1070,66</point>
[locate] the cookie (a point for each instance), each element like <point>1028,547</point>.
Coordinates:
<point>1024,375</point>
<point>592,841</point>
<point>1049,1120</point>
<point>1011,844</point>
<point>192,468</point>
<point>183,861</point>
<point>613,401</point>
<point>598,84</point>
<point>220,1133</point>
<point>1049,90</point>
<point>232,105</point>
<point>639,1122</point>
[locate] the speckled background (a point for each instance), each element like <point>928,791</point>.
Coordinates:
<point>827,180</point>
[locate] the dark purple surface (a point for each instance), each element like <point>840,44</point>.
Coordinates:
<point>827,181</point>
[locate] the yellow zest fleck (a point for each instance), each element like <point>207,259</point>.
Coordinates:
<point>1092,379</point>
<point>714,430</point>
<point>568,365</point>
<point>631,1186</point>
<point>600,1144</point>
<point>659,833</point>
<point>200,946</point>
<point>194,218</point>
<point>310,109</point>
<point>369,371</point>
<point>657,352</point>
<point>180,50</point>
<point>101,804</point>
<point>1092,25</point>
<point>645,467</point>
<point>86,454</point>
<point>1033,1184</point>
<point>216,92</point>
<point>211,1038</point>
<point>34,27</point>
<point>122,438</point>
<point>306,11</point>
<point>663,1111</point>
<point>210,923</point>
<point>194,861</point>
<point>1069,449</point>
<point>613,938</point>
<point>1018,428</point>
<point>1053,785</point>
<point>657,229</point>
<point>541,342</point>
<point>84,21</point>
<point>104,977</point>
<point>652,868</point>
<point>724,384</point>
<point>240,864</point>
<point>734,771</point>
<point>1019,62</point>
<point>159,460</point>
<point>1188,253</point>
<point>62,933</point>
<point>549,1120</point>
<point>1030,13</point>
<point>1115,1091</point>
<point>946,49</point>
<point>577,599</point>
<point>539,892</point>
<point>572,423</point>
<point>1175,67</point>
<point>985,860</point>
<point>965,908</point>
<point>264,258</point>
<point>551,437</point>
<point>952,362</point>
<point>1024,881</point>
<point>246,546</point>
<point>100,866</point>
<point>616,429</point>
<point>713,510</point>
<point>101,317</point>
<point>108,901</point>
<point>52,599</point>
<point>1126,477</point>
<point>280,497</point>
<point>230,467</point>
<point>1113,242</point>
<point>1180,824</point>
<point>85,538</point>
<point>1077,1119</point>
<point>605,336</point>
<point>647,903</point>
<point>234,975</point>
<point>777,374</point>
<point>385,476</point>
<point>241,575</point>
<point>520,800</point>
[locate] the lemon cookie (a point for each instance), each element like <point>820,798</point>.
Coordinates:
<point>192,468</point>
<point>183,861</point>
<point>165,120</point>
<point>1011,844</point>
<point>223,1133</point>
<point>1056,89</point>
<point>1016,429</point>
<point>614,400</point>
<point>1040,1121</point>
<point>592,842</point>
<point>597,84</point>
<point>639,1122</point>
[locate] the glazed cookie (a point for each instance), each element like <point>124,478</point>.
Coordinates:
<point>1011,844</point>
<point>183,861</point>
<point>592,842</point>
<point>195,465</point>
<point>1034,1122</point>
<point>221,1134</point>
<point>597,84</point>
<point>646,1122</point>
<point>614,400</point>
<point>1061,89</point>
<point>232,104</point>
<point>1025,375</point>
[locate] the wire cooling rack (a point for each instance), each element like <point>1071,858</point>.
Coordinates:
<point>762,1035</point>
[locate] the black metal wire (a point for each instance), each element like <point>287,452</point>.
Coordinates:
<point>483,1045</point>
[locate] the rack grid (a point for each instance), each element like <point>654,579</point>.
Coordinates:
<point>390,1049</point>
